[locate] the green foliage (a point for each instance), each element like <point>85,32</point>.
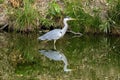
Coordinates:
<point>54,13</point>
<point>73,10</point>
<point>25,18</point>
<point>105,27</point>
<point>54,9</point>
<point>31,1</point>
<point>52,16</point>
<point>113,19</point>
<point>1,1</point>
<point>46,22</point>
<point>114,14</point>
<point>85,22</point>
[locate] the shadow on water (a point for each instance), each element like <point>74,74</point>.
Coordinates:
<point>92,57</point>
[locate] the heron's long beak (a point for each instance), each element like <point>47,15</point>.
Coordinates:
<point>72,19</point>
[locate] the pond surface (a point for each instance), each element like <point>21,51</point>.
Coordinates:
<point>89,57</point>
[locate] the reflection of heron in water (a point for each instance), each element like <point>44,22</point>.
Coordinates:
<point>57,56</point>
<point>56,33</point>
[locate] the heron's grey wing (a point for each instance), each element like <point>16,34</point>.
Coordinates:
<point>52,35</point>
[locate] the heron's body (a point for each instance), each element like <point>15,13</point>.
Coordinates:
<point>52,35</point>
<point>56,33</point>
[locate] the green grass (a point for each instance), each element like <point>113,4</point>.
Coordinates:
<point>25,17</point>
<point>1,1</point>
<point>87,23</point>
<point>114,14</point>
<point>53,15</point>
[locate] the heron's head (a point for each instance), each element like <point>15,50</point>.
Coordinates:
<point>69,18</point>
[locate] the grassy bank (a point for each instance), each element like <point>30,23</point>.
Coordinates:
<point>92,16</point>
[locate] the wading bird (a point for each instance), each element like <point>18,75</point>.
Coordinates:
<point>56,33</point>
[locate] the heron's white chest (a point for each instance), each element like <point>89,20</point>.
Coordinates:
<point>61,34</point>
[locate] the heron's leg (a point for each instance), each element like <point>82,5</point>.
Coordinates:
<point>54,44</point>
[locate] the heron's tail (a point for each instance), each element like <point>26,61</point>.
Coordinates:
<point>41,38</point>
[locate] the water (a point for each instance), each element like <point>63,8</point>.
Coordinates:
<point>91,57</point>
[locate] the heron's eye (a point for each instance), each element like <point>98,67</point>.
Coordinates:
<point>67,17</point>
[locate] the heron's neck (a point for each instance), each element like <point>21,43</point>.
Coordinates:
<point>65,62</point>
<point>65,26</point>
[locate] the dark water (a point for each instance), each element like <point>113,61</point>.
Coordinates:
<point>91,57</point>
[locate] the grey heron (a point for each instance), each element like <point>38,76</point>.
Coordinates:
<point>57,56</point>
<point>56,33</point>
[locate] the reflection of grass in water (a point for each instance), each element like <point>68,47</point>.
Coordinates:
<point>24,46</point>
<point>88,55</point>
<point>94,58</point>
<point>6,70</point>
